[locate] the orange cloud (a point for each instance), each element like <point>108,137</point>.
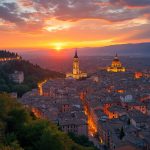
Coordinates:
<point>67,23</point>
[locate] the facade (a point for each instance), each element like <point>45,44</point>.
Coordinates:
<point>17,77</point>
<point>77,73</point>
<point>116,66</point>
<point>138,75</point>
<point>76,126</point>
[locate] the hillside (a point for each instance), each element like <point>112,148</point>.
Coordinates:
<point>20,130</point>
<point>32,75</point>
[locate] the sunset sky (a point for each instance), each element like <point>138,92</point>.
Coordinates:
<point>60,24</point>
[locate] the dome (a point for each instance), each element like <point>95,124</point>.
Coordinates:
<point>116,65</point>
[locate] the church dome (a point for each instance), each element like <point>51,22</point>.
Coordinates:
<point>116,65</point>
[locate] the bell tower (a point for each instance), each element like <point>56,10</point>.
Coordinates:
<point>76,73</point>
<point>76,70</point>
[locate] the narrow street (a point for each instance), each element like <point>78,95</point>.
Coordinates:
<point>92,128</point>
<point>40,84</point>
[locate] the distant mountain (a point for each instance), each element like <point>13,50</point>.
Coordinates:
<point>140,49</point>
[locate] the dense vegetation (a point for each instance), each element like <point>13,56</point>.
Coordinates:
<point>32,73</point>
<point>82,140</point>
<point>7,54</point>
<point>19,130</point>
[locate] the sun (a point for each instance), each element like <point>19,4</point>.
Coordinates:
<point>58,46</point>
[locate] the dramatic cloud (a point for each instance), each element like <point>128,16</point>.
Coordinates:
<point>72,10</point>
<point>75,20</point>
<point>132,2</point>
<point>8,13</point>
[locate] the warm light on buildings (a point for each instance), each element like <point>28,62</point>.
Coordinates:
<point>10,58</point>
<point>36,112</point>
<point>91,125</point>
<point>110,114</point>
<point>76,73</point>
<point>92,128</point>
<point>138,75</point>
<point>120,91</point>
<point>116,66</point>
<point>40,88</point>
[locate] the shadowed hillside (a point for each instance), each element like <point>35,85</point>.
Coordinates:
<point>32,75</point>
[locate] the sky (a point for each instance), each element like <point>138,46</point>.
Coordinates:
<point>61,24</point>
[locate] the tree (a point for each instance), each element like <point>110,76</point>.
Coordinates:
<point>21,131</point>
<point>122,134</point>
<point>129,122</point>
<point>50,140</point>
<point>82,140</point>
<point>20,89</point>
<point>16,119</point>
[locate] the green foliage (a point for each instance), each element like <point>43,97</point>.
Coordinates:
<point>32,73</point>
<point>23,132</point>
<point>7,54</point>
<point>21,88</point>
<point>16,118</point>
<point>82,140</point>
<point>129,122</point>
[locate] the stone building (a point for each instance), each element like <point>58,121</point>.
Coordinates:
<point>17,77</point>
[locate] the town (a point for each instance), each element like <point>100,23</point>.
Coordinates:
<point>74,74</point>
<point>111,106</point>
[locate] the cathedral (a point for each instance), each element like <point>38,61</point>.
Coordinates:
<point>116,66</point>
<point>77,73</point>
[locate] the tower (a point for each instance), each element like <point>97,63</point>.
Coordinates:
<point>76,73</point>
<point>76,69</point>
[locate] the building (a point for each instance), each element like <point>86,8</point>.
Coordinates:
<point>116,66</point>
<point>77,73</point>
<point>17,77</point>
<point>6,59</point>
<point>74,121</point>
<point>138,75</point>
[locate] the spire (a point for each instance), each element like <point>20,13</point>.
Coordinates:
<point>116,56</point>
<point>76,54</point>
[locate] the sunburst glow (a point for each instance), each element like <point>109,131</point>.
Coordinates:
<point>58,46</point>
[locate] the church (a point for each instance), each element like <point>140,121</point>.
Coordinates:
<point>116,66</point>
<point>76,73</point>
